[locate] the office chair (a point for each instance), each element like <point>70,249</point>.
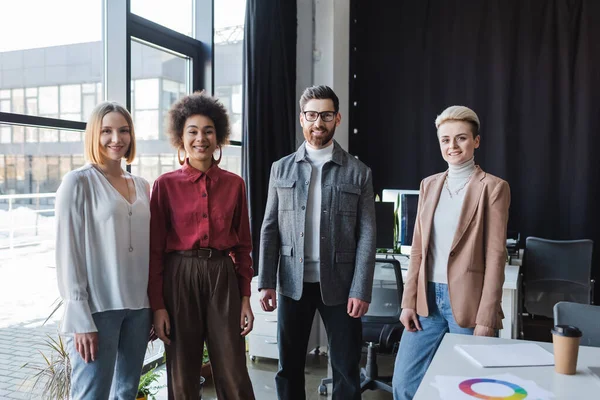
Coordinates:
<point>381,326</point>
<point>554,271</point>
<point>584,316</point>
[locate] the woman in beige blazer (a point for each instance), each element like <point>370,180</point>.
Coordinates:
<point>458,253</point>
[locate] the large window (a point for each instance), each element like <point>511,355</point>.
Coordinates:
<point>42,69</point>
<point>173,14</point>
<point>159,77</point>
<point>164,67</point>
<point>29,177</point>
<point>229,48</point>
<point>58,60</point>
<point>229,51</point>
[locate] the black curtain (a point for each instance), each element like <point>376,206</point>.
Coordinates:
<point>269,99</point>
<point>531,71</point>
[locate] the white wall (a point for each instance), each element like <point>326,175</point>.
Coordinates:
<point>322,53</point>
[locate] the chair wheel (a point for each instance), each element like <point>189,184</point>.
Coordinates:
<point>252,358</point>
<point>323,390</point>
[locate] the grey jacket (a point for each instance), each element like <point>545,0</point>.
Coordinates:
<point>347,250</point>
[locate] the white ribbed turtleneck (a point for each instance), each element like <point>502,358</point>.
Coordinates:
<point>316,158</point>
<point>458,174</point>
<point>445,219</point>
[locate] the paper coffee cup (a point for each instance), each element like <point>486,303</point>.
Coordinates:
<point>566,340</point>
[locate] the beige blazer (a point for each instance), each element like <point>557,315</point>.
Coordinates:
<point>477,256</point>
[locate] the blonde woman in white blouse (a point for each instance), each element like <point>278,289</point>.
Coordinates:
<point>102,251</point>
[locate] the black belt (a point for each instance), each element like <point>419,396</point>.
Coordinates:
<point>203,253</point>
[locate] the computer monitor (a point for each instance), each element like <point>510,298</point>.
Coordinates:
<point>384,218</point>
<point>407,203</point>
<point>408,216</point>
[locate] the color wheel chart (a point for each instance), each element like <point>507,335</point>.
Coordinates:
<point>467,388</point>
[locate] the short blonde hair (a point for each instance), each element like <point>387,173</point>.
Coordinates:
<point>92,149</point>
<point>459,113</point>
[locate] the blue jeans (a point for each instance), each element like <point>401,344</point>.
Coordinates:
<point>418,348</point>
<point>115,374</point>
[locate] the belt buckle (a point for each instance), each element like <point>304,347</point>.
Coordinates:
<point>204,250</point>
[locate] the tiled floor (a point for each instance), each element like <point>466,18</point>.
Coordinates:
<point>262,374</point>
<point>28,291</point>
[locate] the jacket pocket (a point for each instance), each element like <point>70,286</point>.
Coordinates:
<point>344,257</point>
<point>476,268</point>
<point>286,251</point>
<point>348,199</point>
<point>285,194</point>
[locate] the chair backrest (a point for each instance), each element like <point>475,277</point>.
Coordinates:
<point>556,270</point>
<point>381,324</point>
<point>584,316</point>
<point>387,292</point>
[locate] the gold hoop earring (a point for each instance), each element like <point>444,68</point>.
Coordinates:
<point>218,160</point>
<point>181,162</point>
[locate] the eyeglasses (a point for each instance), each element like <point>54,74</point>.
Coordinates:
<point>326,116</point>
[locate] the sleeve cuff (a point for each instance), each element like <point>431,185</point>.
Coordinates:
<point>360,296</point>
<point>488,324</point>
<point>157,302</point>
<point>244,285</point>
<point>262,284</point>
<point>78,317</point>
<point>410,303</point>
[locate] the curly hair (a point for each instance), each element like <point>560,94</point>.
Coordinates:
<point>198,103</point>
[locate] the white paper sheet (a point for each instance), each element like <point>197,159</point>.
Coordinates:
<point>506,355</point>
<point>494,386</point>
<point>595,372</point>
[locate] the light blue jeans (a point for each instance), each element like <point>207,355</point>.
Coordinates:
<point>115,374</point>
<point>418,348</point>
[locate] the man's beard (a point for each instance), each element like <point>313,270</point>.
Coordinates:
<point>320,141</point>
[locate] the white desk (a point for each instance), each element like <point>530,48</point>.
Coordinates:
<point>449,362</point>
<point>509,293</point>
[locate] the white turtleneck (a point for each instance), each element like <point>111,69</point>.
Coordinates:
<point>445,220</point>
<point>316,158</point>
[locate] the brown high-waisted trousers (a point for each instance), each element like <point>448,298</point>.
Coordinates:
<point>203,301</point>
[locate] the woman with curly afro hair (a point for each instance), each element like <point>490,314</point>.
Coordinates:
<point>200,265</point>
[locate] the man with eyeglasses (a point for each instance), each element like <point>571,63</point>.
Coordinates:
<point>318,248</point>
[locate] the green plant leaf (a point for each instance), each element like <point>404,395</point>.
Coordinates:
<point>205,358</point>
<point>53,374</point>
<point>59,303</point>
<point>149,383</point>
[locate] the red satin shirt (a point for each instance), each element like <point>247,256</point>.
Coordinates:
<point>192,209</point>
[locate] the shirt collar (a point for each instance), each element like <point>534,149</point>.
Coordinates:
<point>336,157</point>
<point>214,172</point>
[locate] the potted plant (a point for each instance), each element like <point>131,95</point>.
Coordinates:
<point>206,370</point>
<point>397,249</point>
<point>147,388</point>
<point>54,373</point>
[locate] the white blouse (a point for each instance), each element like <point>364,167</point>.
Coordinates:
<point>102,247</point>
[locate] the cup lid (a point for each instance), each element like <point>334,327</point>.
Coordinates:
<point>566,330</point>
